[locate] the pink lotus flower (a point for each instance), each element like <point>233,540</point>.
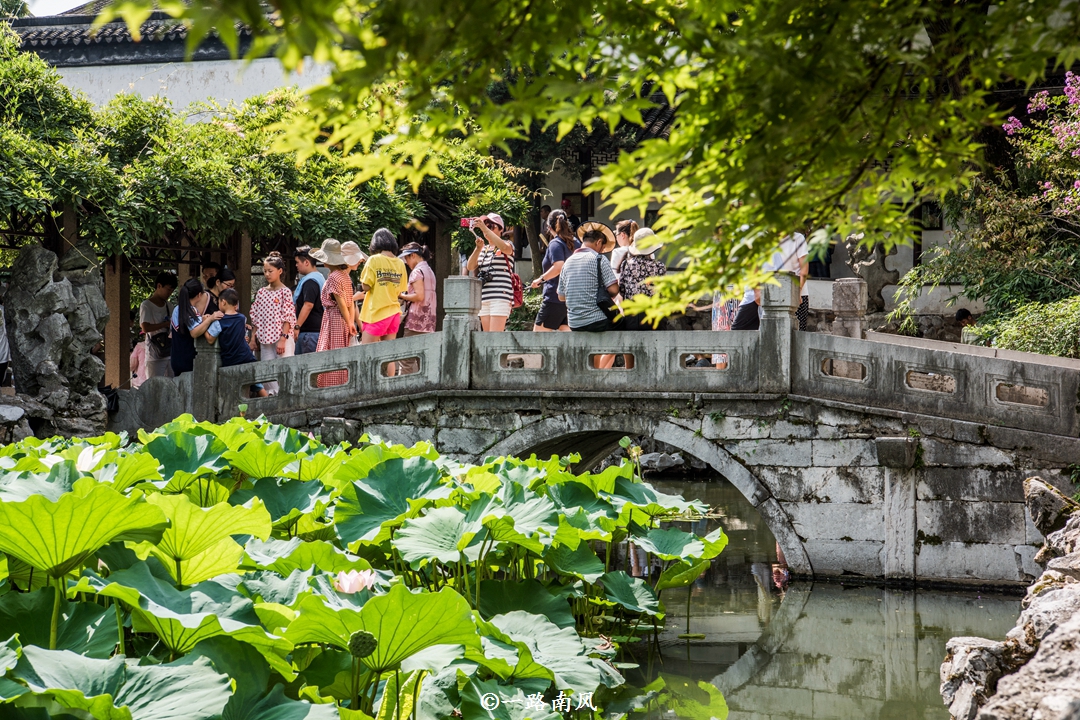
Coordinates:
<point>353,582</point>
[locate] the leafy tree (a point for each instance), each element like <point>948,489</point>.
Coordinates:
<point>836,114</point>
<point>14,9</point>
<point>1020,224</point>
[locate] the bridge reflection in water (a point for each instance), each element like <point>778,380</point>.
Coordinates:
<point>813,650</point>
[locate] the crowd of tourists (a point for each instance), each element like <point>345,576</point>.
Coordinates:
<point>588,270</point>
<point>396,297</point>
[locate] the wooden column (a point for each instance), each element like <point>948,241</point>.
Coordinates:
<point>118,331</point>
<point>445,266</point>
<point>70,233</point>
<point>183,264</point>
<point>243,272</point>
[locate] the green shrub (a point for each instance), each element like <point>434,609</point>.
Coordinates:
<point>1049,329</point>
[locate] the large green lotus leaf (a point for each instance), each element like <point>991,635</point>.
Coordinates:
<point>260,460</point>
<point>16,486</point>
<point>189,454</point>
<point>579,526</point>
<point>498,597</point>
<point>606,481</point>
<point>113,690</point>
<point>693,700</point>
<point>628,495</point>
<point>284,556</point>
<point>519,473</point>
<point>580,562</point>
<point>292,440</point>
<point>681,574</point>
<point>442,534</point>
<point>218,559</point>
<point>195,530</point>
<point>360,463</point>
<point>513,704</point>
<point>285,500</point>
<point>531,513</point>
<point>183,618</point>
<point>403,623</point>
<point>85,628</point>
<point>632,593</point>
<point>208,491</point>
<point>715,542</point>
<point>560,650</point>
<point>320,466</point>
<point>392,491</point>
<point>572,496</point>
<point>482,480</point>
<point>668,543</point>
<point>129,470</point>
<point>59,536</point>
<point>268,586</point>
<point>331,673</point>
<point>251,674</point>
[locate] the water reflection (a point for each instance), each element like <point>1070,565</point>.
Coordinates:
<point>812,650</point>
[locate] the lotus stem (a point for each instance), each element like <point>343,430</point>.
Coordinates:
<point>688,588</point>
<point>120,626</point>
<point>179,575</point>
<point>397,700</point>
<point>55,614</point>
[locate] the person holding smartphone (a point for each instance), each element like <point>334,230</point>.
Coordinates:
<point>493,262</point>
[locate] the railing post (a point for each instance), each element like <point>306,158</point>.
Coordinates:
<point>777,327</point>
<point>849,297</point>
<point>204,380</point>
<point>461,302</point>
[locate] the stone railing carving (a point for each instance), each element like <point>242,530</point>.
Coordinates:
<point>954,382</point>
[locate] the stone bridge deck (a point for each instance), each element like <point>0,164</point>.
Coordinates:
<point>886,458</point>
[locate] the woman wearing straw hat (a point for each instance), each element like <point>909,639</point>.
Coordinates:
<point>637,270</point>
<point>339,311</point>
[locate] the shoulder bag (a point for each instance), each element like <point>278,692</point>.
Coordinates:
<point>604,301</point>
<point>163,340</point>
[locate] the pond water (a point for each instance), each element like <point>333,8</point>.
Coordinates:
<point>810,650</point>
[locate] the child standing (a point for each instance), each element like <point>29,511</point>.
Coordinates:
<point>273,315</point>
<point>232,331</point>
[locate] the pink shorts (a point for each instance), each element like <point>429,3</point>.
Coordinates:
<point>386,326</point>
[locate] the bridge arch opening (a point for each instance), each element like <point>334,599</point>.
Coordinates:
<point>595,437</point>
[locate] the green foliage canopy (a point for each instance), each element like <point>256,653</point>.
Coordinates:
<point>138,171</point>
<point>830,114</point>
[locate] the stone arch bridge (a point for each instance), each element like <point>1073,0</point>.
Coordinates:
<point>882,457</point>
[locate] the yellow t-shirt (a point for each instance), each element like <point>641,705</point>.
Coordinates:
<point>386,276</point>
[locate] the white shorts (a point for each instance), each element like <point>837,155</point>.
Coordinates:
<point>495,308</point>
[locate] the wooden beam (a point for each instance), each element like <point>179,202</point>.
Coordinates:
<point>70,232</point>
<point>243,273</point>
<point>118,331</point>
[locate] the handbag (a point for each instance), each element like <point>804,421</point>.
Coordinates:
<point>163,340</point>
<point>604,301</point>
<point>515,281</point>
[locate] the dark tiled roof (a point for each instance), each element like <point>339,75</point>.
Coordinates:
<point>657,119</point>
<point>75,30</point>
<point>66,40</point>
<point>94,7</point>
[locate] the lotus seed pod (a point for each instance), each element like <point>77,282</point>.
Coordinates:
<point>362,643</point>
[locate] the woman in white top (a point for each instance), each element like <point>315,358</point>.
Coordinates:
<point>624,236</point>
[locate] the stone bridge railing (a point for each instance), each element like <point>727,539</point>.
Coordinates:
<point>946,380</point>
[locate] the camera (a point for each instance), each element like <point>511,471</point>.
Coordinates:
<point>469,222</point>
<point>484,276</point>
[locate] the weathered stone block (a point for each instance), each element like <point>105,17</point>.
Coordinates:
<point>937,483</point>
<point>785,429</point>
<point>734,428</point>
<point>982,522</point>
<point>837,557</point>
<point>401,434</point>
<point>824,484</point>
<point>464,440</point>
<point>1026,554</point>
<point>937,452</point>
<point>897,452</point>
<point>960,562</point>
<point>844,452</point>
<point>791,453</point>
<point>836,521</point>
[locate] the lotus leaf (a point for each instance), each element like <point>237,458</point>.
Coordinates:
<point>183,618</point>
<point>285,500</point>
<point>392,491</point>
<point>85,628</point>
<point>260,460</point>
<point>114,690</point>
<point>57,537</point>
<point>187,455</point>
<point>669,543</point>
<point>443,533</point>
<point>194,530</point>
<point>632,593</point>
<point>580,562</point>
<point>498,597</point>
<point>16,486</point>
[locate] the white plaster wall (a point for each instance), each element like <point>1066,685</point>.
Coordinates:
<point>183,83</point>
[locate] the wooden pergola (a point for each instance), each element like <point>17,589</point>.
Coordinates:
<point>183,254</point>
